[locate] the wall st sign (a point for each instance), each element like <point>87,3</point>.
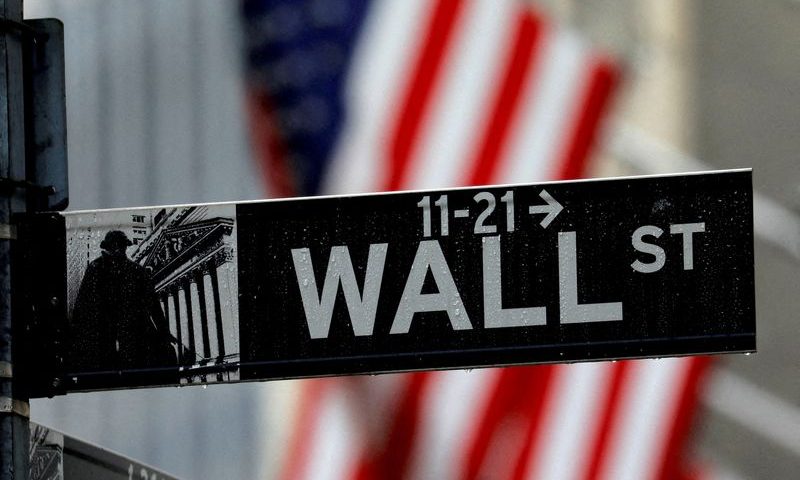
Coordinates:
<point>461,278</point>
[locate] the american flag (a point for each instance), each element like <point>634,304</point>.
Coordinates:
<point>356,96</point>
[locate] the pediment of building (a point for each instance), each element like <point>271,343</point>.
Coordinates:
<point>179,243</point>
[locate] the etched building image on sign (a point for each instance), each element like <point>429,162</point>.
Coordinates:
<point>154,289</point>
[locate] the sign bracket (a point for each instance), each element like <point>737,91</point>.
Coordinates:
<point>15,406</point>
<point>8,231</point>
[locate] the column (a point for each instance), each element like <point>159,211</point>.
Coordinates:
<point>230,308</point>
<point>201,293</point>
<point>178,332</point>
<point>212,323</point>
<point>218,313</point>
<point>187,293</point>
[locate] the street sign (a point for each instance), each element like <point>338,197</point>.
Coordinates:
<point>56,456</point>
<point>462,278</point>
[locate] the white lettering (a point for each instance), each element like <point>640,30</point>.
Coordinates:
<point>641,246</point>
<point>571,310</point>
<point>319,310</point>
<point>687,229</point>
<point>430,257</point>
<point>495,316</point>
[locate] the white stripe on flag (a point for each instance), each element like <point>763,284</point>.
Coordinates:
<point>333,448</point>
<point>463,96</point>
<point>548,110</point>
<point>571,421</point>
<point>449,415</point>
<point>375,82</point>
<point>649,401</point>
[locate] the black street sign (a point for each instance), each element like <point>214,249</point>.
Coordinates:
<point>462,278</point>
<point>55,456</point>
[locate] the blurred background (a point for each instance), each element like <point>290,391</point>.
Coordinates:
<point>184,101</point>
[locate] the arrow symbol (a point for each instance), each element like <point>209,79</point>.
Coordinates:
<point>552,209</point>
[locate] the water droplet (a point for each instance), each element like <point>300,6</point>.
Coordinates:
<point>305,282</point>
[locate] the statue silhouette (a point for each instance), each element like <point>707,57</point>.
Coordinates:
<point>117,322</point>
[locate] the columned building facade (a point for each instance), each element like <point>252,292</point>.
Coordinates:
<point>191,256</point>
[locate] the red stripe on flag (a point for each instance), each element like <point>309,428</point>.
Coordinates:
<point>306,423</point>
<point>391,461</point>
<point>515,403</point>
<point>268,145</point>
<point>673,463</point>
<point>416,100</point>
<point>603,79</point>
<point>611,413</point>
<point>539,388</point>
<point>527,35</point>
<point>694,471</point>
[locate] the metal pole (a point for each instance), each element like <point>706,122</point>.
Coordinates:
<point>14,428</point>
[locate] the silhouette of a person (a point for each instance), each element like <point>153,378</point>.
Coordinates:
<point>117,322</point>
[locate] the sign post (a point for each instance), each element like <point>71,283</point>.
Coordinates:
<point>461,278</point>
<point>14,433</point>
